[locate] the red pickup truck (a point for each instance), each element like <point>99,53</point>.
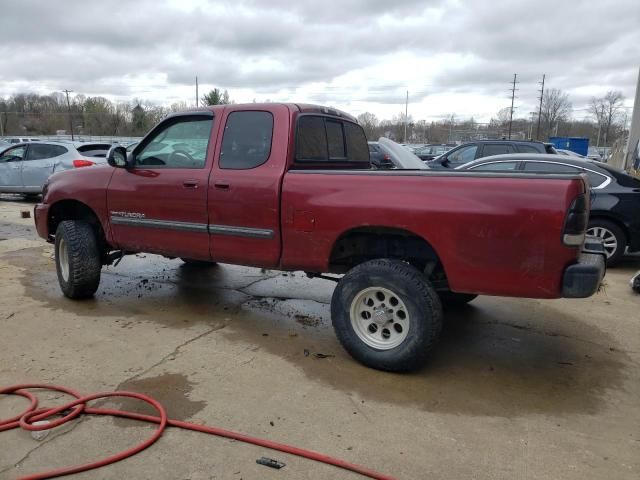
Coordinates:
<point>290,187</point>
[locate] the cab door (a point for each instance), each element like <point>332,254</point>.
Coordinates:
<point>159,203</point>
<point>244,198</point>
<point>10,167</point>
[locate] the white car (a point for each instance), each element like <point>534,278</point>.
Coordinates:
<point>25,167</point>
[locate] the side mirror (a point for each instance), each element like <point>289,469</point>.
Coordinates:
<point>117,156</point>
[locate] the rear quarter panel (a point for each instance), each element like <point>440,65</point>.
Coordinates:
<point>495,235</point>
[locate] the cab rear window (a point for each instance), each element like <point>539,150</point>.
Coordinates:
<point>326,140</point>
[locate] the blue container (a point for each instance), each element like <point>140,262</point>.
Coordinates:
<point>575,144</point>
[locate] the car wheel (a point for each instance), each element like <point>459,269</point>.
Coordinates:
<point>451,299</point>
<point>613,238</point>
<point>77,258</point>
<point>197,263</point>
<point>386,315</point>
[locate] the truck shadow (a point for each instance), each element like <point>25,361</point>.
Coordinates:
<point>497,357</point>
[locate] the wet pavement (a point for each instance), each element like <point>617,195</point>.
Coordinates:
<point>516,388</point>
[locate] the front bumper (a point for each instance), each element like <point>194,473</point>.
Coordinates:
<point>583,279</point>
<point>41,218</point>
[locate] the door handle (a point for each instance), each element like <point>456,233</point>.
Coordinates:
<point>190,184</point>
<point>222,185</point>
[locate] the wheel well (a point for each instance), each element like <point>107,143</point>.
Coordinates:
<point>75,210</point>
<point>367,243</point>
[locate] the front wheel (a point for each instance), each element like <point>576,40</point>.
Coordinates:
<point>386,315</point>
<point>77,257</point>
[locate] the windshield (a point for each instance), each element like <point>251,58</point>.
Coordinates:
<point>402,157</point>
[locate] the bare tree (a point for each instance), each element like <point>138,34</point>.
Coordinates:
<point>606,111</point>
<point>556,108</point>
<point>369,123</point>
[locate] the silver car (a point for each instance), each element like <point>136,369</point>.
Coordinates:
<point>24,168</point>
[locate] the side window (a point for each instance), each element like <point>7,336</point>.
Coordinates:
<point>595,179</point>
<point>549,167</point>
<point>464,155</point>
<point>356,143</point>
<point>528,149</point>
<point>490,149</point>
<point>13,155</point>
<point>335,140</point>
<point>182,143</point>
<point>312,140</point>
<point>43,151</point>
<point>496,167</point>
<point>321,139</point>
<point>246,142</point>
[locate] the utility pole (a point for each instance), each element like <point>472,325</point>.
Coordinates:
<point>540,108</point>
<point>513,97</point>
<point>67,92</point>
<point>197,98</point>
<point>1,125</point>
<point>406,115</point>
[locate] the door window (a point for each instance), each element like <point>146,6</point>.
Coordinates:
<point>595,179</point>
<point>528,149</point>
<point>13,154</point>
<point>464,155</point>
<point>39,151</point>
<point>490,149</point>
<point>496,167</point>
<point>246,142</point>
<point>549,167</point>
<point>179,143</point>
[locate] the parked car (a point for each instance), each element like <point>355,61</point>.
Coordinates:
<point>288,186</point>
<point>399,155</point>
<point>569,153</point>
<point>25,167</point>
<point>15,140</point>
<point>486,148</point>
<point>429,152</point>
<point>615,195</point>
<point>380,159</point>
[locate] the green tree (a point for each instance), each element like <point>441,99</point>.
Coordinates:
<point>216,97</point>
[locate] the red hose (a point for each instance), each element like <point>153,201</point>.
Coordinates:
<point>78,406</point>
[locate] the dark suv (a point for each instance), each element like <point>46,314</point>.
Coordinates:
<point>486,148</point>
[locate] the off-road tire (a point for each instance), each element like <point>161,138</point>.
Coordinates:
<point>84,262</point>
<point>453,300</point>
<point>413,289</point>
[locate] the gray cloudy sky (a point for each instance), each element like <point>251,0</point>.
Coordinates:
<point>454,56</point>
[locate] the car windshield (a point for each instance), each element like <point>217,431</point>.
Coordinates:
<point>402,157</point>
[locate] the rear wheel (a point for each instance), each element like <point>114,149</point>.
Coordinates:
<point>386,315</point>
<point>77,258</point>
<point>613,238</point>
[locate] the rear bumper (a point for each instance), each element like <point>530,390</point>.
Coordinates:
<point>583,279</point>
<point>41,218</point>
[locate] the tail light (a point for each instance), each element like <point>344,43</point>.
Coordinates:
<point>386,157</point>
<point>576,221</point>
<point>82,163</point>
